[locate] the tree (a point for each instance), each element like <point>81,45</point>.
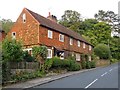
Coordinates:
<point>103,51</point>
<point>7,25</point>
<point>12,50</point>
<point>71,19</point>
<point>40,53</point>
<point>109,17</point>
<point>98,32</point>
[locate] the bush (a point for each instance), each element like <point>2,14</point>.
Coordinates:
<point>102,51</point>
<point>57,62</point>
<point>48,64</point>
<point>83,64</point>
<point>27,57</point>
<point>92,64</point>
<point>88,65</point>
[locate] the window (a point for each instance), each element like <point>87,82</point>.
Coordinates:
<point>49,54</point>
<point>61,38</point>
<point>29,50</point>
<point>77,57</point>
<point>89,47</point>
<point>83,45</point>
<point>24,18</point>
<point>89,58</point>
<point>71,41</point>
<point>78,42</point>
<point>50,34</point>
<point>13,35</point>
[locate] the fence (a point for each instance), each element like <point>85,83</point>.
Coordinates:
<point>24,65</point>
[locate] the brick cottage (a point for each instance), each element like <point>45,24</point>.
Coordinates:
<point>33,29</point>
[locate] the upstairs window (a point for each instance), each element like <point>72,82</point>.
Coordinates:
<point>71,41</point>
<point>50,34</point>
<point>13,35</point>
<point>90,47</point>
<point>78,42</point>
<point>61,38</point>
<point>24,17</point>
<point>83,45</point>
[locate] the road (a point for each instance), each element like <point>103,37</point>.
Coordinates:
<point>104,77</point>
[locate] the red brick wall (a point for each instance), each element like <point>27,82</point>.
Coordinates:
<point>26,32</point>
<point>43,37</point>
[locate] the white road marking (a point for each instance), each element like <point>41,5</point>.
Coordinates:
<point>91,83</point>
<point>104,74</point>
<point>110,70</point>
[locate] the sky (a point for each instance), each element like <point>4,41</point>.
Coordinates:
<point>11,9</point>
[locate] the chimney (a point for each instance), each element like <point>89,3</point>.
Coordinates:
<point>52,17</point>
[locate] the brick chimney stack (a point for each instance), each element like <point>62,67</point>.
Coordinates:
<point>52,17</point>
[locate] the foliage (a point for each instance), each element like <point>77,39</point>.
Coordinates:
<point>7,25</point>
<point>102,51</point>
<point>48,64</point>
<point>88,64</point>
<point>83,64</point>
<point>113,60</point>
<point>27,57</point>
<point>12,50</point>
<point>23,76</point>
<point>39,52</point>
<point>71,19</point>
<point>92,64</point>
<point>57,62</point>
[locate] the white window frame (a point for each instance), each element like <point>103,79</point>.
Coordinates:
<point>24,17</point>
<point>77,57</point>
<point>78,42</point>
<point>50,34</point>
<point>13,36</point>
<point>49,56</point>
<point>90,58</point>
<point>28,49</point>
<point>90,47</point>
<point>84,45</point>
<point>71,41</point>
<point>61,37</point>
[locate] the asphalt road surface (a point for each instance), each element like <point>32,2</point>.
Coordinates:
<point>104,77</point>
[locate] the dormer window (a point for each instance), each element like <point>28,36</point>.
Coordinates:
<point>13,35</point>
<point>24,17</point>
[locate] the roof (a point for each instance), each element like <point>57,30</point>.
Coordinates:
<point>57,27</point>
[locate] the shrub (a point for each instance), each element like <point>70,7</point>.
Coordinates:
<point>83,64</point>
<point>40,52</point>
<point>57,62</point>
<point>27,57</point>
<point>92,64</point>
<point>48,64</point>
<point>88,65</point>
<point>102,51</point>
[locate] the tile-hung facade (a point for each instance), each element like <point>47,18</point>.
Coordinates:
<point>35,30</point>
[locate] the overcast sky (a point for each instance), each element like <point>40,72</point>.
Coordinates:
<point>10,9</point>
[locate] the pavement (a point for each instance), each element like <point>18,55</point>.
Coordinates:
<point>40,81</point>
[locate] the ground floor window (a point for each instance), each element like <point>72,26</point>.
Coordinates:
<point>89,58</point>
<point>77,57</point>
<point>49,54</point>
<point>29,50</point>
